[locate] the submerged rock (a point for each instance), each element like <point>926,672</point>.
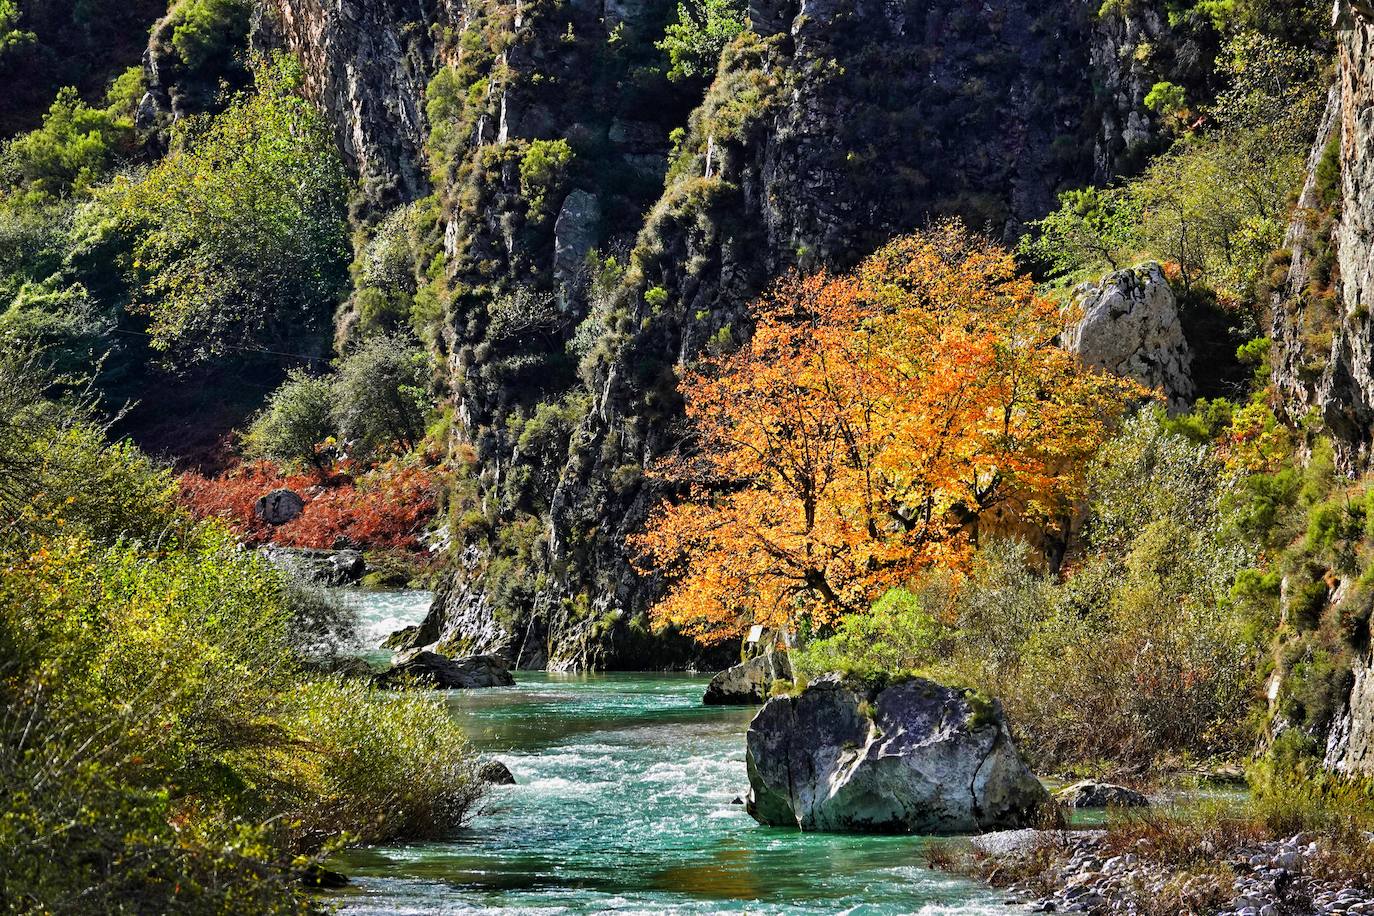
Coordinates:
<point>319,877</point>
<point>915,757</point>
<point>445,673</point>
<point>749,683</point>
<point>1092,794</point>
<point>496,773</point>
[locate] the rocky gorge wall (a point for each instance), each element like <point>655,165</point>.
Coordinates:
<point>827,129</point>
<point>1323,338</point>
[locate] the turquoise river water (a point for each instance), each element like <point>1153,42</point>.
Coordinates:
<point>623,805</point>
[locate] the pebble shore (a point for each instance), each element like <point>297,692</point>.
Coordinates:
<point>1268,879</point>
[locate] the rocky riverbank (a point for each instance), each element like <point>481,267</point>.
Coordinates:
<point>1097,871</point>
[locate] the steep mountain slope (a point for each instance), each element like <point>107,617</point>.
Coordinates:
<point>828,128</point>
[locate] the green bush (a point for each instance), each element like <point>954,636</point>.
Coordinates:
<point>695,41</point>
<point>899,635</point>
<point>206,31</point>
<point>239,236</point>
<point>1091,229</point>
<point>381,396</point>
<point>163,747</point>
<point>71,153</point>
<point>296,428</point>
<point>543,169</point>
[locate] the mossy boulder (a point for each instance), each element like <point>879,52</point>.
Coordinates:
<point>912,757</point>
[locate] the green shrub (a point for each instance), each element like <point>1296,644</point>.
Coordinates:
<point>162,746</point>
<point>238,236</point>
<point>70,154</point>
<point>899,635</point>
<point>296,428</point>
<point>543,170</point>
<point>695,41</point>
<point>205,31</point>
<point>381,396</point>
<point>390,766</point>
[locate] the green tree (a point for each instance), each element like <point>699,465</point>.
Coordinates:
<point>72,152</point>
<point>1092,228</point>
<point>380,396</point>
<point>239,236</point>
<point>1216,205</point>
<point>12,36</point>
<point>206,31</point>
<point>695,41</point>
<point>297,424</point>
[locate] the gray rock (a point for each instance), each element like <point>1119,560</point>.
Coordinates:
<point>1130,326</point>
<point>750,682</point>
<point>433,669</point>
<point>322,567</point>
<point>279,507</point>
<point>496,773</point>
<point>575,232</point>
<point>401,638</point>
<point>916,757</point>
<point>1092,794</point>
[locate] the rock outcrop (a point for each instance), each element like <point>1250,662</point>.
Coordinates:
<point>750,682</point>
<point>1130,326</point>
<point>439,671</point>
<point>915,757</point>
<point>1323,334</point>
<point>1350,742</point>
<point>367,63</point>
<point>1092,794</point>
<point>322,567</point>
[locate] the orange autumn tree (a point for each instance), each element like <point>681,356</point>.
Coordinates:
<point>873,422</point>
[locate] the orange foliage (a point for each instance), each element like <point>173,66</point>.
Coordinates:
<point>387,507</point>
<point>869,426</point>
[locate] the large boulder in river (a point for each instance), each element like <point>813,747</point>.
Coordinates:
<point>496,773</point>
<point>279,507</point>
<point>1130,326</point>
<point>913,757</point>
<point>749,683</point>
<point>435,670</point>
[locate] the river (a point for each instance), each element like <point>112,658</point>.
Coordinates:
<point>623,805</point>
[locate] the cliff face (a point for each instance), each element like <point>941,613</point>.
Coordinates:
<point>1323,337</point>
<point>828,128</point>
<point>1325,342</point>
<point>367,62</point>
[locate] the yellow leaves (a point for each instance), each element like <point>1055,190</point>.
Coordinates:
<point>864,431</point>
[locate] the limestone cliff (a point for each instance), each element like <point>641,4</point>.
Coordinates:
<point>1325,341</point>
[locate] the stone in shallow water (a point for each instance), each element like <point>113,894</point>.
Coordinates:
<point>440,671</point>
<point>915,757</point>
<point>496,773</point>
<point>1092,794</point>
<point>749,683</point>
